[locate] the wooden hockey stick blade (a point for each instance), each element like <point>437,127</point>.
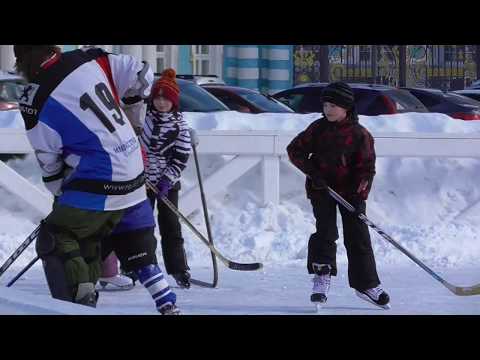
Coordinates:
<point>464,290</point>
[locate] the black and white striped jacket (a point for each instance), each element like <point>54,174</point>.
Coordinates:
<point>166,141</point>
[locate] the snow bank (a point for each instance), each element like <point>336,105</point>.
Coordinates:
<point>409,122</point>
<point>420,202</point>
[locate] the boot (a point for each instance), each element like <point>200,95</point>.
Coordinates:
<point>117,282</point>
<point>86,295</point>
<point>376,296</point>
<point>182,279</point>
<point>321,283</point>
<point>169,309</point>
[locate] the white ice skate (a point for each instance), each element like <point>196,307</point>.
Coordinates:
<point>117,282</point>
<point>376,296</point>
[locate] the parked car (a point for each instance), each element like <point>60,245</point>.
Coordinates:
<point>471,93</point>
<point>10,90</point>
<point>452,104</point>
<point>247,100</point>
<point>11,86</point>
<point>10,117</point>
<point>195,99</point>
<point>474,85</point>
<point>202,79</point>
<point>370,99</point>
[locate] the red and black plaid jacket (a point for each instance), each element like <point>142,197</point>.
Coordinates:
<point>342,154</point>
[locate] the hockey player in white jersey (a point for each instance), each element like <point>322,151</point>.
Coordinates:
<point>88,153</point>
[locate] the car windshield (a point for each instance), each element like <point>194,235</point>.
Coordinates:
<point>404,101</point>
<point>10,91</point>
<point>472,95</point>
<point>266,103</point>
<point>195,99</point>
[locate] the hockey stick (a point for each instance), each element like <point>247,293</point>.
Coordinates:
<point>29,265</point>
<point>201,283</point>
<point>194,141</point>
<point>19,250</point>
<point>228,263</point>
<point>457,290</point>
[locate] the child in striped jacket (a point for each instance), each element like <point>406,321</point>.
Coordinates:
<point>166,141</point>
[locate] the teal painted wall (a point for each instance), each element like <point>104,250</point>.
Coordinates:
<point>184,63</point>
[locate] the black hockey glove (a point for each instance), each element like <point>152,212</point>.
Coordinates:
<point>358,203</point>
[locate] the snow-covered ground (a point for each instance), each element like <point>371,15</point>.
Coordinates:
<point>430,206</point>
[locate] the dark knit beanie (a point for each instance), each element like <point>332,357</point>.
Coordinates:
<point>340,94</point>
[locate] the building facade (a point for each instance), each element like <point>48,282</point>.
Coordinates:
<point>267,68</point>
<point>270,68</point>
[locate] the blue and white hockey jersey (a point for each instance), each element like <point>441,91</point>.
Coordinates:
<point>86,147</point>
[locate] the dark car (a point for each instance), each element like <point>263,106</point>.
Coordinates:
<point>195,99</point>
<point>370,99</point>
<point>474,85</point>
<point>246,100</point>
<point>452,104</point>
<point>471,93</point>
<point>10,88</point>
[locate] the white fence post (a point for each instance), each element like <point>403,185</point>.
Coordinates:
<point>271,187</point>
<point>271,180</point>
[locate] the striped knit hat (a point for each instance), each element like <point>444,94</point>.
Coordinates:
<point>340,94</point>
<point>169,87</point>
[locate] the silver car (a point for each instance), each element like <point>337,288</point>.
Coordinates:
<point>11,86</point>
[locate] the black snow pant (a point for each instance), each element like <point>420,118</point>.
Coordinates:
<point>322,248</point>
<point>174,256</point>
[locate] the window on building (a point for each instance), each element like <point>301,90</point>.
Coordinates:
<point>161,58</point>
<point>160,64</point>
<point>116,49</point>
<point>202,59</point>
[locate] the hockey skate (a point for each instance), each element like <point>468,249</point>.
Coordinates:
<point>117,282</point>
<point>182,279</point>
<point>376,296</point>
<point>131,274</point>
<point>89,299</point>
<point>169,309</point>
<point>86,295</point>
<point>321,284</point>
